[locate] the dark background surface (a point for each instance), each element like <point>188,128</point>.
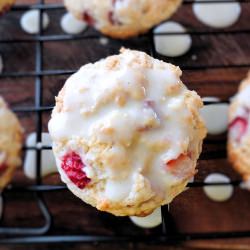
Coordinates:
<point>192,210</point>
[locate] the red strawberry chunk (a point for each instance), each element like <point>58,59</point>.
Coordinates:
<point>238,128</point>
<point>88,18</point>
<point>3,167</point>
<point>73,165</point>
<point>112,19</point>
<point>181,167</point>
<point>174,162</point>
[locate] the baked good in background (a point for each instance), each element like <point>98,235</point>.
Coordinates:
<point>127,133</point>
<point>239,130</point>
<point>122,18</point>
<point>5,5</point>
<point>11,139</point>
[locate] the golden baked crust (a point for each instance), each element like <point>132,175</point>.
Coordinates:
<point>239,153</point>
<point>11,137</point>
<point>5,5</point>
<point>131,19</point>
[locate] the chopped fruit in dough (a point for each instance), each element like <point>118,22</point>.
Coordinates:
<point>74,168</point>
<point>127,133</point>
<point>122,18</point>
<point>238,128</point>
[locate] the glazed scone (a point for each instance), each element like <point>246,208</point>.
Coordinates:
<point>127,133</point>
<point>239,130</point>
<point>11,138</point>
<point>122,18</point>
<point>5,5</point>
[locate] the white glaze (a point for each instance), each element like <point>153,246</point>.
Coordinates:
<point>30,21</point>
<point>71,25</point>
<point>217,15</point>
<point>172,45</point>
<point>48,160</point>
<point>215,117</point>
<point>218,193</point>
<point>150,221</point>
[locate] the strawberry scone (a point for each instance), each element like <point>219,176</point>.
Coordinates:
<point>122,18</point>
<point>5,5</point>
<point>239,130</point>
<point>127,133</point>
<point>11,138</point>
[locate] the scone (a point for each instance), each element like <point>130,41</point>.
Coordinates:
<point>127,133</point>
<point>11,138</point>
<point>5,5</point>
<point>239,130</point>
<point>122,18</point>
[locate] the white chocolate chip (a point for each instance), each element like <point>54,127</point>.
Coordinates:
<point>215,116</point>
<point>48,161</point>
<point>150,221</point>
<point>104,41</point>
<point>30,21</point>
<point>172,45</point>
<point>71,25</point>
<point>217,15</point>
<point>210,99</point>
<point>218,193</point>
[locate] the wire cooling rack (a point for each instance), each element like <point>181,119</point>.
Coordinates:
<point>168,234</point>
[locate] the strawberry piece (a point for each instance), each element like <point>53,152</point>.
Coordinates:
<point>181,167</point>
<point>238,128</point>
<point>174,162</point>
<point>3,167</point>
<point>88,18</point>
<point>112,18</point>
<point>73,167</point>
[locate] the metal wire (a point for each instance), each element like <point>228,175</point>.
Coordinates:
<point>39,235</point>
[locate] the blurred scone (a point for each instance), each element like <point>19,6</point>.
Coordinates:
<point>239,130</point>
<point>5,5</point>
<point>11,137</point>
<point>127,133</point>
<point>122,18</point>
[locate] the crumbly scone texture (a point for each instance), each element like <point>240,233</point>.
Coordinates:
<point>11,138</point>
<point>5,5</point>
<point>239,134</point>
<point>136,128</point>
<point>122,18</point>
